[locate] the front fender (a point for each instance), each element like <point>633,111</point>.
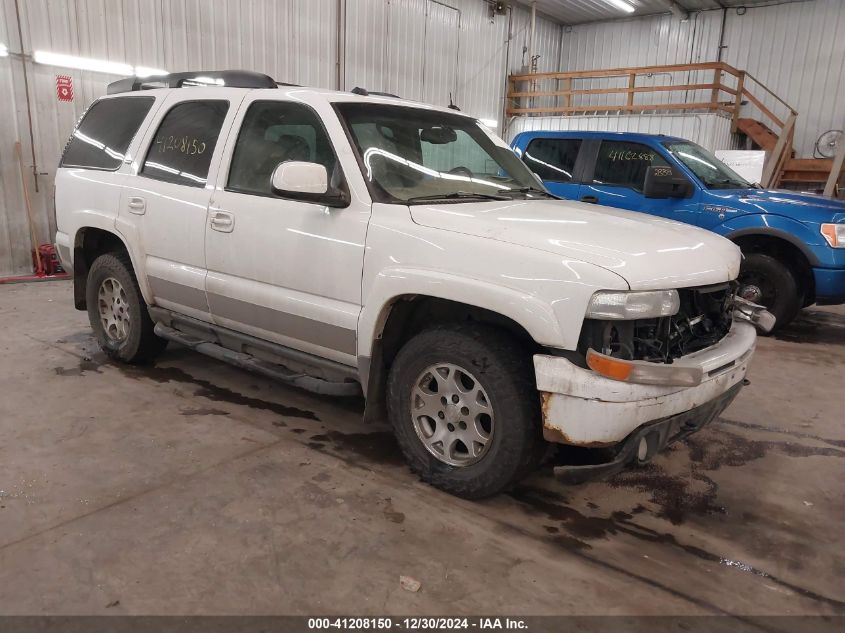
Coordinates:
<point>810,243</point>
<point>536,316</point>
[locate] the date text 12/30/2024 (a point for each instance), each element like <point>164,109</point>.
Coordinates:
<point>413,624</point>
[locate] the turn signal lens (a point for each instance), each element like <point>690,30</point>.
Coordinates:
<point>609,367</point>
<point>834,234</point>
<point>644,372</point>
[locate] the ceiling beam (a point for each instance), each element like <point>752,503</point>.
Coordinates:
<point>677,10</point>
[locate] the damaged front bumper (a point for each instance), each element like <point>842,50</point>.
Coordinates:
<point>584,408</point>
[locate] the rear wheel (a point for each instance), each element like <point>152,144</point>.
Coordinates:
<point>768,281</point>
<point>464,407</point>
<point>118,313</point>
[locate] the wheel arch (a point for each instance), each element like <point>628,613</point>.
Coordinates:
<point>89,243</point>
<point>785,248</point>
<point>406,315</point>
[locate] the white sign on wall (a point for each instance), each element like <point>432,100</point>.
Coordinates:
<point>747,163</point>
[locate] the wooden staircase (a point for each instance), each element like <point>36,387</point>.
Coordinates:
<point>759,133</point>
<point>767,120</point>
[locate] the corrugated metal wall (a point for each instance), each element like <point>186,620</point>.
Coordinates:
<point>419,49</point>
<point>640,42</point>
<point>797,49</point>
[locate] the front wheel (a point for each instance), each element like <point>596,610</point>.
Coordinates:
<point>768,281</point>
<point>465,410</point>
<point>118,313</point>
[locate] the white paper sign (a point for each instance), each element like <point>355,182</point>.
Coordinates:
<point>747,163</point>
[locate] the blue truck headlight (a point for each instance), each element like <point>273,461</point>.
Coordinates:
<point>834,234</point>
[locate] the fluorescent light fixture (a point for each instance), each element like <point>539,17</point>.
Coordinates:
<point>82,63</point>
<point>144,71</point>
<point>491,123</point>
<point>4,52</point>
<point>94,65</point>
<point>622,5</point>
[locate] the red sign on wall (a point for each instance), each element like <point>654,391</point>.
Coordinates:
<point>64,88</point>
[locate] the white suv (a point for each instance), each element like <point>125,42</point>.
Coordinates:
<point>354,242</point>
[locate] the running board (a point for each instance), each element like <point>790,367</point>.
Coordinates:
<point>266,368</point>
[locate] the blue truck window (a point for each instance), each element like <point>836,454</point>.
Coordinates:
<point>552,158</point>
<point>624,164</point>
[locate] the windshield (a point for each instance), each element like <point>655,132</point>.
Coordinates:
<point>709,169</point>
<point>411,155</point>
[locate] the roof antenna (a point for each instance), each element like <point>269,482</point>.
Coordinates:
<point>452,106</point>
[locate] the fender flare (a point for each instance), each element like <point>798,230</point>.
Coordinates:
<point>106,224</point>
<point>534,315</point>
<point>776,226</point>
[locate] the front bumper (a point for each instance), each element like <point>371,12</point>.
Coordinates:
<point>830,285</point>
<point>642,444</point>
<point>582,408</point>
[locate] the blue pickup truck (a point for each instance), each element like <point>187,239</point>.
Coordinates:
<point>794,244</point>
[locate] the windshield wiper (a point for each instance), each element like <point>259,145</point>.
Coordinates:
<point>457,194</point>
<point>731,184</point>
<point>528,190</point>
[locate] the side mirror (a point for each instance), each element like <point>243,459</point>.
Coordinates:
<point>309,182</point>
<point>666,182</point>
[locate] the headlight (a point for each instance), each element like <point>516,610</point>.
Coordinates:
<point>627,306</point>
<point>834,234</point>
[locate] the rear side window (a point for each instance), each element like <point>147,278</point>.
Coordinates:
<point>184,143</point>
<point>274,132</point>
<point>552,158</point>
<point>102,137</point>
<point>624,164</point>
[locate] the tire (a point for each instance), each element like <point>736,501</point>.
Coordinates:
<point>484,358</point>
<point>129,337</point>
<point>768,281</point>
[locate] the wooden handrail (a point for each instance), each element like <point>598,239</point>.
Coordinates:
<point>779,155</point>
<point>607,91</point>
<point>762,107</point>
<point>737,95</point>
<point>704,105</point>
<point>767,89</point>
<point>621,72</point>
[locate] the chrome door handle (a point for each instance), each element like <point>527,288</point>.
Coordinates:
<point>222,221</point>
<point>137,205</point>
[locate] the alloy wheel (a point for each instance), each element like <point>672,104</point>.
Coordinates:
<point>452,414</point>
<point>113,309</point>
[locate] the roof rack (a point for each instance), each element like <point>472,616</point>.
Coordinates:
<point>365,93</point>
<point>228,78</point>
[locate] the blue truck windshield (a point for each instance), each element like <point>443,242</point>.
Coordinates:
<point>709,169</point>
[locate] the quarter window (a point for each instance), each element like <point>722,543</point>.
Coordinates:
<point>184,143</point>
<point>552,159</point>
<point>274,132</point>
<point>102,137</point>
<point>625,164</point>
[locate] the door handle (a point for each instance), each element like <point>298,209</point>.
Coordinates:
<point>222,221</point>
<point>590,199</point>
<point>137,205</point>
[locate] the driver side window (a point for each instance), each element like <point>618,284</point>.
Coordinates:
<point>625,164</point>
<point>274,132</point>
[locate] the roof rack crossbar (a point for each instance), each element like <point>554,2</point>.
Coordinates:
<point>365,93</point>
<point>228,78</point>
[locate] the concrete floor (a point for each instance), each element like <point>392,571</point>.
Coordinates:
<point>192,487</point>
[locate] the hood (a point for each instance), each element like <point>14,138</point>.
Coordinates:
<point>648,252</point>
<point>799,206</point>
